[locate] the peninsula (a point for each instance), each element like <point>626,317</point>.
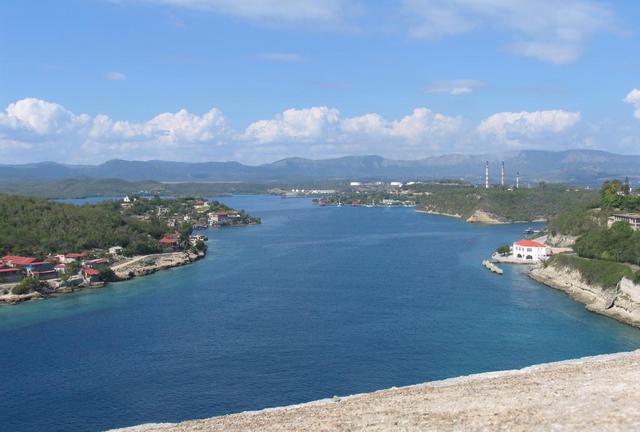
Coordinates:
<point>50,248</point>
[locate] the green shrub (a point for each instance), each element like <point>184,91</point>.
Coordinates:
<point>25,286</point>
<point>504,249</point>
<point>595,272</point>
<point>105,274</point>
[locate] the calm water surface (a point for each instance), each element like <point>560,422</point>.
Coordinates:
<point>316,302</point>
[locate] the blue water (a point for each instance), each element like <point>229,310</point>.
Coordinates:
<point>315,302</point>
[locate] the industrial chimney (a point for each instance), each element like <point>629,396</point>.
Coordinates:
<point>502,174</point>
<point>486,175</point>
<point>517,179</point>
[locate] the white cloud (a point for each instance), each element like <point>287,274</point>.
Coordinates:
<point>546,30</point>
<point>115,76</point>
<point>57,133</point>
<point>324,132</point>
<point>633,98</point>
<point>455,87</point>
<point>285,11</point>
<point>34,129</point>
<point>309,124</point>
<point>281,57</point>
<point>518,129</point>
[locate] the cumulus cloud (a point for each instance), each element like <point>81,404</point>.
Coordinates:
<point>633,98</point>
<point>455,87</point>
<point>518,129</point>
<point>34,129</point>
<point>57,133</point>
<point>115,76</point>
<point>546,30</point>
<point>310,124</point>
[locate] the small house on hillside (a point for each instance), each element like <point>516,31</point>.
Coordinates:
<point>17,261</point>
<point>633,219</point>
<point>90,276</point>
<point>169,242</point>
<point>530,250</point>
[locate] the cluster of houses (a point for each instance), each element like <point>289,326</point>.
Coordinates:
<point>195,212</point>
<point>14,268</point>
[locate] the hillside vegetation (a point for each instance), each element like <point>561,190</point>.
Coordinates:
<point>595,272</point>
<point>32,226</point>
<point>542,202</point>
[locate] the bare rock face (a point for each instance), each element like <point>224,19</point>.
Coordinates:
<point>561,240</point>
<point>483,217</point>
<point>621,303</point>
<point>600,393</point>
<point>148,264</point>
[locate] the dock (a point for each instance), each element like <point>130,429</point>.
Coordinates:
<point>492,267</point>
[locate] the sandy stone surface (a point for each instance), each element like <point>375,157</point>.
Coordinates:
<point>599,393</point>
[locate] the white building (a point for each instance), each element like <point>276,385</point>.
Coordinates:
<point>530,250</point>
<point>633,219</point>
<point>116,250</point>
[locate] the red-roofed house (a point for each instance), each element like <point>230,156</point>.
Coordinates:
<point>530,250</point>
<point>169,242</point>
<point>70,257</point>
<point>98,262</point>
<point>17,261</point>
<point>90,275</point>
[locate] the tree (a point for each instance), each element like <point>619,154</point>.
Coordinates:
<point>200,246</point>
<point>26,285</point>
<point>504,250</point>
<point>105,274</point>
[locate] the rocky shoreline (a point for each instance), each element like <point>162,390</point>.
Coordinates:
<point>599,393</point>
<point>148,264</point>
<point>621,303</point>
<point>478,216</point>
<point>137,266</point>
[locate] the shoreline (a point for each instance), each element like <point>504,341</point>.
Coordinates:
<point>141,265</point>
<point>599,392</point>
<point>479,217</point>
<point>621,303</point>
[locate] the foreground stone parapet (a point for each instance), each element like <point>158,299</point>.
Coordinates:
<point>599,393</point>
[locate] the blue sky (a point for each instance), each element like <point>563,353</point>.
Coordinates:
<point>258,80</point>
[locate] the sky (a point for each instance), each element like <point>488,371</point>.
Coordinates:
<point>85,81</point>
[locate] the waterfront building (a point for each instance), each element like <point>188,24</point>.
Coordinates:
<point>10,274</point>
<point>530,250</point>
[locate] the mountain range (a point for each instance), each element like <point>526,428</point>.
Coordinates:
<point>571,166</point>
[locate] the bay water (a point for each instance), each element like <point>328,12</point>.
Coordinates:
<point>315,302</point>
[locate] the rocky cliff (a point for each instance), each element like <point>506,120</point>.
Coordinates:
<point>621,303</point>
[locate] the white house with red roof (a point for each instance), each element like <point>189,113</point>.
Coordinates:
<point>530,250</point>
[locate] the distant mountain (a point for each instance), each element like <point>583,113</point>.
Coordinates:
<point>574,166</point>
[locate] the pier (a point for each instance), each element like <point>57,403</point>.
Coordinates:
<point>492,267</point>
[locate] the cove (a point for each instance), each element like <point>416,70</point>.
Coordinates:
<point>315,302</point>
